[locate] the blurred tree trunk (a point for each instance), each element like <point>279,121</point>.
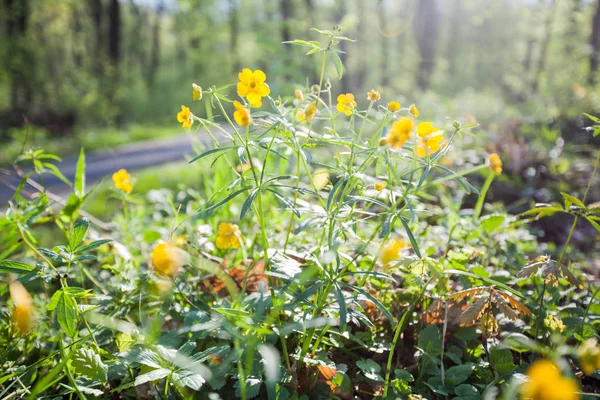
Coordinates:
<point>572,29</point>
<point>531,40</point>
<point>426,25</point>
<point>382,10</point>
<point>310,9</point>
<point>155,54</point>
<point>595,45</point>
<point>114,33</point>
<point>541,65</point>
<point>361,73</point>
<point>286,15</point>
<point>17,22</point>
<point>234,28</point>
<point>454,35</point>
<point>96,15</point>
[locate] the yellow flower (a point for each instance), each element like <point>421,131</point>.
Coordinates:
<point>393,106</point>
<point>122,181</point>
<point>308,113</point>
<point>373,96</point>
<point>252,86</point>
<point>185,117</point>
<point>413,110</point>
<point>167,258</point>
<point>24,312</point>
<point>430,139</point>
<point>241,114</point>
<point>320,178</point>
<point>298,95</point>
<point>554,323</point>
<point>547,383</point>
<point>379,186</point>
<point>400,133</point>
<point>589,356</point>
<point>346,103</point>
<point>495,163</point>
<point>228,235</point>
<point>196,92</point>
<point>390,251</point>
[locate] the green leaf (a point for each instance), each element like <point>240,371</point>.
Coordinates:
<point>490,223</point>
<point>501,360</point>
<point>411,237</point>
<point>152,376</point>
<point>595,119</point>
<point>80,175</point>
<point>342,305</point>
<point>53,169</point>
<point>594,223</point>
<point>66,314</point>
<point>572,199</point>
<point>430,340</point>
<point>79,230</point>
<point>54,300</point>
<point>87,362</point>
<point>339,66</point>
<point>91,246</point>
<point>212,151</point>
<point>286,202</point>
<point>224,201</point>
<point>248,203</point>
<point>458,374</point>
<point>15,267</point>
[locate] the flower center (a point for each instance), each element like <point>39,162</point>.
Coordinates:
<point>252,85</point>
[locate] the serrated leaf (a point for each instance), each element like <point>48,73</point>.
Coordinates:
<point>475,311</point>
<point>66,314</point>
<point>78,233</point>
<point>152,376</point>
<point>15,267</point>
<point>88,363</point>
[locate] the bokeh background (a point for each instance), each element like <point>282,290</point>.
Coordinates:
<point>102,73</point>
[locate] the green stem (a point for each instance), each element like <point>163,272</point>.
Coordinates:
<point>63,356</point>
<point>399,329</point>
<point>484,190</point>
<point>592,177</point>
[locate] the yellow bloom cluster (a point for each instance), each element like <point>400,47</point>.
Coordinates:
<point>253,86</point>
<point>185,117</point>
<point>308,113</point>
<point>390,251</point>
<point>400,133</point>
<point>393,106</point>
<point>379,186</point>
<point>547,383</point>
<point>373,96</point>
<point>167,259</point>
<point>430,139</point>
<point>495,163</point>
<point>196,92</point>
<point>241,114</point>
<point>23,313</point>
<point>554,323</point>
<point>413,110</point>
<point>589,356</point>
<point>346,103</point>
<point>228,235</point>
<point>122,181</point>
